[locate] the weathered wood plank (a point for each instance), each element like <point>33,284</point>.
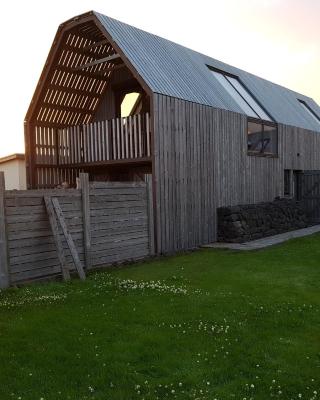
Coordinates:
<point>99,236</point>
<point>68,238</point>
<point>84,185</point>
<point>132,253</point>
<point>151,218</point>
<point>57,240</point>
<point>125,185</point>
<point>4,261</point>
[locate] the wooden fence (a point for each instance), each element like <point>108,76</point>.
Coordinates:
<point>108,222</point>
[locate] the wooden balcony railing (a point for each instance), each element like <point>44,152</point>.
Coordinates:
<point>117,139</point>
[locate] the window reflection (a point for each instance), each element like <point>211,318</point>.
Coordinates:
<point>262,138</point>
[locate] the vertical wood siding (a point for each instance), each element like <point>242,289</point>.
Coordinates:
<point>201,163</point>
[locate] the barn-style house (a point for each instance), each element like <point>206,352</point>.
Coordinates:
<point>123,104</point>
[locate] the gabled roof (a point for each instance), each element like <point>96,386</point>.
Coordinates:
<point>173,70</point>
<point>12,157</point>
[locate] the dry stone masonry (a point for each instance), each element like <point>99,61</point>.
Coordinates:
<point>242,223</point>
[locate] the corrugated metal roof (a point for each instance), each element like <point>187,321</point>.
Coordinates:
<point>174,70</point>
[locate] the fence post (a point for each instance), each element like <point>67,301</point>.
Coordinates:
<point>4,264</point>
<point>150,216</point>
<point>85,195</point>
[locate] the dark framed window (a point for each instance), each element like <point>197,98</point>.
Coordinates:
<point>262,138</point>
<point>262,130</point>
<point>241,95</point>
<point>287,182</point>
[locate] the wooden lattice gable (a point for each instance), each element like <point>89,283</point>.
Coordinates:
<point>76,74</point>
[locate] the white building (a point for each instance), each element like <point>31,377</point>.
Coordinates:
<point>14,167</point>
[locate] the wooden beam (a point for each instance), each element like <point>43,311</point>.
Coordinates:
<point>77,71</point>
<point>56,238</point>
<point>102,71</point>
<point>97,44</point>
<point>4,258</point>
<point>68,237</point>
<point>51,125</point>
<point>100,61</point>
<point>78,92</point>
<point>85,195</point>
<point>83,51</point>
<point>120,162</point>
<point>150,217</point>
<point>67,108</point>
<point>28,154</point>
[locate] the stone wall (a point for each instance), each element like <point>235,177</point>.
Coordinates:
<point>242,223</point>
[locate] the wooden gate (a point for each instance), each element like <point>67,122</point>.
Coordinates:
<point>308,185</point>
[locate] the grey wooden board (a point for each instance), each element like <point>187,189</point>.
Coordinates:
<point>27,217</point>
<point>113,256</point>
<point>40,193</point>
<point>124,250</point>
<point>150,219</point>
<point>27,276</point>
<point>38,225</point>
<point>112,204</point>
<point>35,242</point>
<point>100,213</point>
<point>121,241</point>
<point>57,240</point>
<point>102,236</point>
<point>125,185</point>
<point>38,209</point>
<point>40,260</point>
<point>40,246</point>
<point>37,201</point>
<point>128,191</point>
<point>38,233</point>
<point>84,183</point>
<point>68,238</point>
<point>4,264</point>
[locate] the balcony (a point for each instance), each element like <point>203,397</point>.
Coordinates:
<point>115,141</point>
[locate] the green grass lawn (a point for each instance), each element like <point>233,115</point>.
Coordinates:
<point>213,324</point>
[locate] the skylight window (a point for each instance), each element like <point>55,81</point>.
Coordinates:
<point>310,111</point>
<point>241,96</point>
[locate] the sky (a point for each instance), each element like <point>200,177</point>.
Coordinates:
<point>278,40</point>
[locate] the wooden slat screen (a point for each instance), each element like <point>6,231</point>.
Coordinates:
<point>116,139</point>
